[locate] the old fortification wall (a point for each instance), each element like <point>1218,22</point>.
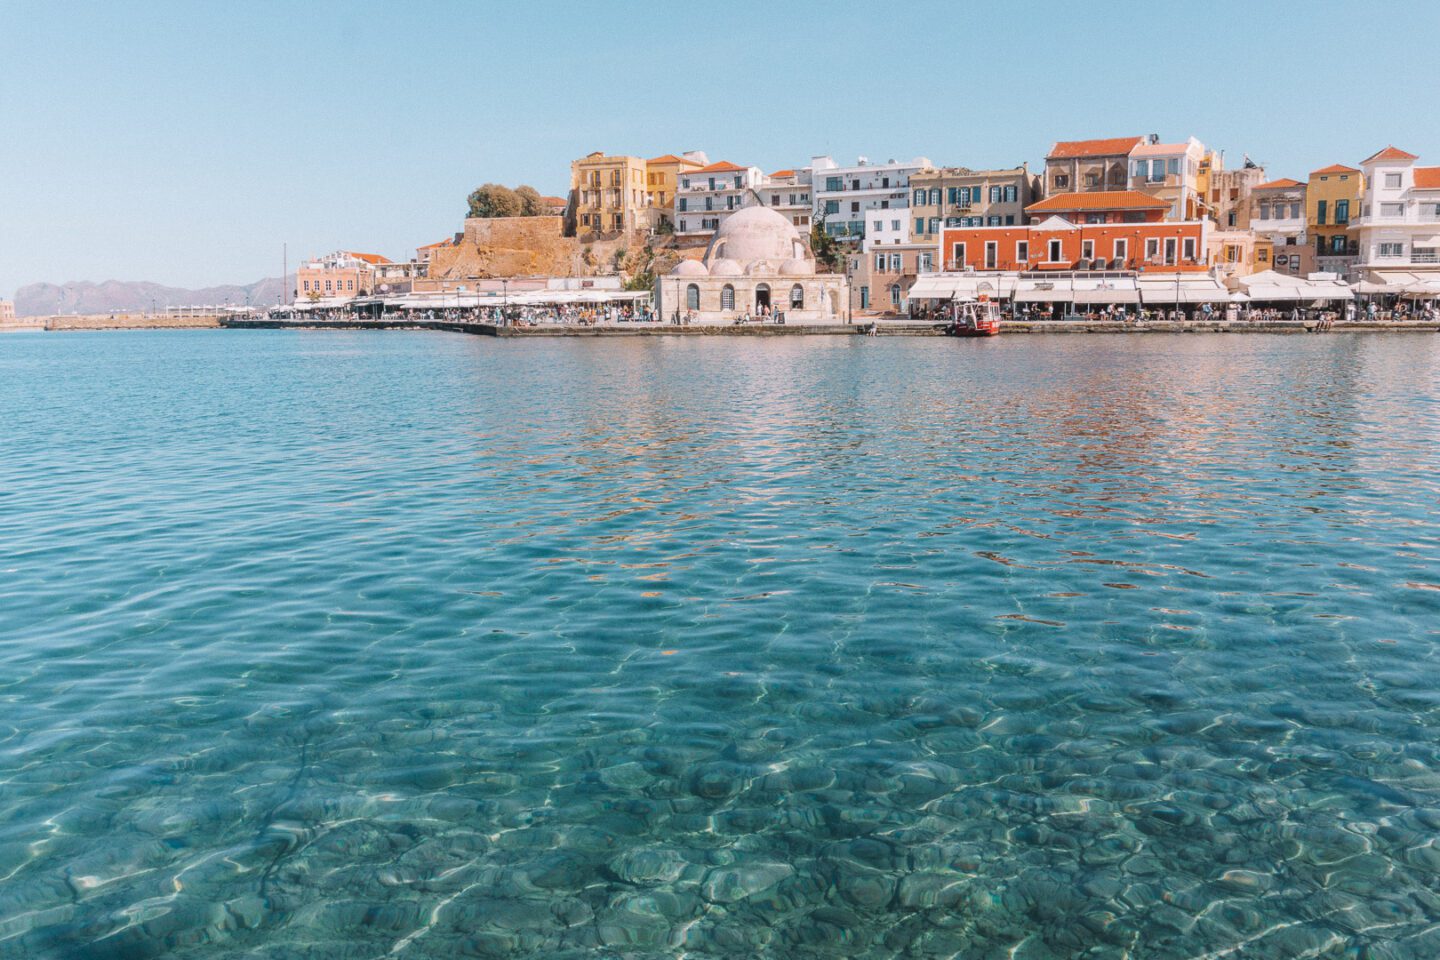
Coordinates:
<point>525,246</point>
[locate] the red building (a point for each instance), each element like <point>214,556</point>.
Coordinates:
<point>1110,230</point>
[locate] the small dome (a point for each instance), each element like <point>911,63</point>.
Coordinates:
<point>724,267</point>
<point>689,268</point>
<point>797,268</point>
<point>753,233</point>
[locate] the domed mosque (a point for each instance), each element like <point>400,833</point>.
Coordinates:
<point>755,265</point>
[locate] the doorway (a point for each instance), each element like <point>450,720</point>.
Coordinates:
<point>762,297</point>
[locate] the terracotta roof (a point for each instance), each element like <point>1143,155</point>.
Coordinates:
<point>783,173</point>
<point>1101,200</point>
<point>1284,183</point>
<point>368,257</point>
<point>1066,149</point>
<point>1390,153</point>
<point>1427,178</point>
<point>724,166</point>
<point>1160,149</point>
<point>442,243</point>
<point>666,158</point>
<point>1334,168</point>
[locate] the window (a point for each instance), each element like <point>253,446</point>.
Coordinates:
<point>992,254</point>
<point>1264,211</point>
<point>958,254</point>
<point>935,196</point>
<point>1022,253</point>
<point>854,184</point>
<point>1173,166</point>
<point>834,183</point>
<point>995,194</point>
<point>1055,251</point>
<point>934,225</point>
<point>926,263</point>
<point>992,221</point>
<point>684,205</point>
<point>1094,218</point>
<point>1011,194</point>
<point>1157,172</point>
<point>919,225</point>
<point>1142,167</point>
<point>897,263</point>
<point>739,181</point>
<point>1062,181</point>
<point>894,294</point>
<point>895,226</point>
<point>1262,255</point>
<point>1337,245</point>
<point>952,196</point>
<point>879,225</point>
<point>692,297</point>
<point>1092,179</point>
<point>306,284</point>
<point>797,297</point>
<point>685,183</point>
<point>1320,211</point>
<point>832,206</point>
<point>1342,211</point>
<point>879,261</point>
<point>1392,181</point>
<point>1230,219</point>
<point>1170,251</point>
<point>864,298</point>
<point>327,284</point>
<point>1152,248</point>
<point>1087,250</point>
<point>1189,249</point>
<point>349,284</point>
<point>854,206</point>
<point>712,183</point>
<point>1392,250</point>
<point>919,198</point>
<point>1392,209</point>
<point>727,297</point>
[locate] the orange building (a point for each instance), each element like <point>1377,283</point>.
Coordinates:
<point>341,275</point>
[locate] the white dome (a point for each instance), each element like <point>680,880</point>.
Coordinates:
<point>724,267</point>
<point>753,233</point>
<point>689,268</point>
<point>797,268</point>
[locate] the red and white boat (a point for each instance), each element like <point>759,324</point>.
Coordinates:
<point>975,318</point>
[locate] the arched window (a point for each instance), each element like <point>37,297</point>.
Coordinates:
<point>727,297</point>
<point>797,297</point>
<point>692,297</point>
<point>894,294</point>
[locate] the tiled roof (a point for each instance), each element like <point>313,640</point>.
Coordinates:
<point>1101,200</point>
<point>368,257</point>
<point>1159,149</point>
<point>1427,178</point>
<point>1284,183</point>
<point>667,158</point>
<point>724,166</point>
<point>1390,153</point>
<point>1068,149</point>
<point>1333,168</point>
<point>783,173</point>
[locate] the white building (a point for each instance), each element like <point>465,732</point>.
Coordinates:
<point>1399,223</point>
<point>755,265</point>
<point>848,198</point>
<point>787,192</point>
<point>705,197</point>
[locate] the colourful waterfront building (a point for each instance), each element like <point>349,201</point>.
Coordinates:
<point>609,195</point>
<point>1088,166</point>
<point>1277,217</point>
<point>1171,171</point>
<point>1332,200</point>
<point>1398,231</point>
<point>961,197</point>
<point>1111,230</point>
<point>787,192</point>
<point>341,275</point>
<point>880,280</point>
<point>662,182</point>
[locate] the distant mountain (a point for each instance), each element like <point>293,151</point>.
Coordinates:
<point>121,296</point>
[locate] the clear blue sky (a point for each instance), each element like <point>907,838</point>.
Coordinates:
<point>183,142</point>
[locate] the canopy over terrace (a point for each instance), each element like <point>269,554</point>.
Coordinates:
<point>961,286</point>
<point>1182,288</point>
<point>1271,287</point>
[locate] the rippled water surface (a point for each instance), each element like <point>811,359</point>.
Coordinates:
<point>333,645</point>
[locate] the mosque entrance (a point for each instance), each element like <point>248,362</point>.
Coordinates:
<point>762,297</point>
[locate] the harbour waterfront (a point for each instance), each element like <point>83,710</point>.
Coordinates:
<point>348,644</point>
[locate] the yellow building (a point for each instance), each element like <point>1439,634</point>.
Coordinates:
<point>609,194</point>
<point>662,178</point>
<point>1332,200</point>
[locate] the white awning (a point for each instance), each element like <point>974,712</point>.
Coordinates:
<point>1278,287</point>
<point>960,286</point>
<point>1058,290</point>
<point>1182,288</point>
<point>1106,290</point>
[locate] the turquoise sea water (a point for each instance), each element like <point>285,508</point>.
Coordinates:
<point>422,645</point>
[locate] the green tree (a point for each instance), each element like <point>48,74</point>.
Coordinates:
<point>828,254</point>
<point>530,203</point>
<point>494,200</point>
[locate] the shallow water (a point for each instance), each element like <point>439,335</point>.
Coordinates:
<point>336,645</point>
